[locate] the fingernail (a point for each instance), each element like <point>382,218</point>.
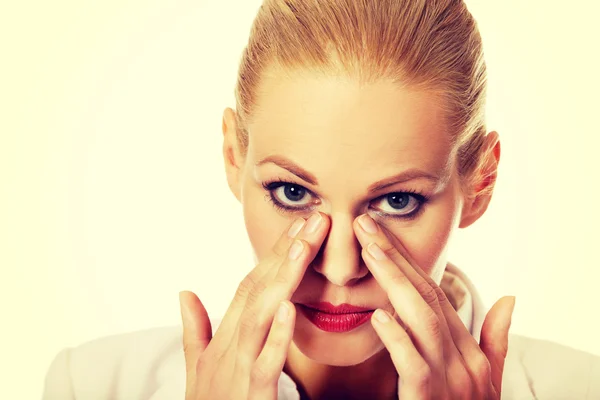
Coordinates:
<point>296,250</point>
<point>367,224</point>
<point>512,308</point>
<point>382,316</point>
<point>313,223</point>
<point>282,312</point>
<point>376,252</point>
<point>508,314</point>
<point>185,312</point>
<point>296,227</point>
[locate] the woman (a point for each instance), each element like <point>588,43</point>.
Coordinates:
<point>362,125</point>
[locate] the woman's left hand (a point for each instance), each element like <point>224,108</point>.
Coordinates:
<point>435,355</point>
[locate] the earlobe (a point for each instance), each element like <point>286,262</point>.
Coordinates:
<point>231,154</point>
<point>477,202</point>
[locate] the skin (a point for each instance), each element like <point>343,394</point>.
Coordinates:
<point>348,137</point>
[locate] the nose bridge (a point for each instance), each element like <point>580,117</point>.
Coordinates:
<point>340,260</point>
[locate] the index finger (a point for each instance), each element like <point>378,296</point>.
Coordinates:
<point>394,249</point>
<point>278,251</point>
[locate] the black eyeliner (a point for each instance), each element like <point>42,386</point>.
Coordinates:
<point>273,185</point>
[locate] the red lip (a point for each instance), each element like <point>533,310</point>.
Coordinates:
<point>330,318</point>
<point>341,309</point>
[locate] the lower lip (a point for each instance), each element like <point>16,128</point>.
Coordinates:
<point>335,322</point>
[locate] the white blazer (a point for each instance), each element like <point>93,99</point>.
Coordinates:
<point>150,365</point>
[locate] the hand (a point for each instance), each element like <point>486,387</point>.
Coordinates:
<point>435,355</point>
<point>246,356</point>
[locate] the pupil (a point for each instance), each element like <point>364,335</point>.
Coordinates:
<point>293,193</point>
<point>398,200</point>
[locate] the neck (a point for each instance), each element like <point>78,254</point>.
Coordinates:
<point>375,378</point>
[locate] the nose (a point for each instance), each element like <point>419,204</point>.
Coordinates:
<point>339,259</point>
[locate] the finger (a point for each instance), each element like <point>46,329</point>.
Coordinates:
<point>254,323</point>
<point>231,317</point>
<point>412,309</point>
<point>458,341</point>
<point>459,345</point>
<point>267,369</point>
<point>430,331</point>
<point>475,360</point>
<point>263,301</point>
<point>494,337</point>
<point>287,275</point>
<point>197,332</point>
<point>414,372</point>
<point>368,231</point>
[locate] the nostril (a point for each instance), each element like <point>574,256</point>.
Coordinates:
<point>341,274</point>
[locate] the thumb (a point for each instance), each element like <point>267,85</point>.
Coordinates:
<point>494,337</point>
<point>197,330</point>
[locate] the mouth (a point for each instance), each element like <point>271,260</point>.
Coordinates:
<point>341,318</point>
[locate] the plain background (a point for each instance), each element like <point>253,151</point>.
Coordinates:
<point>113,196</point>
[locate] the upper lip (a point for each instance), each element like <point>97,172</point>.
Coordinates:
<point>340,309</point>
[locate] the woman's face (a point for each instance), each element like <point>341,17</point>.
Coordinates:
<point>328,144</point>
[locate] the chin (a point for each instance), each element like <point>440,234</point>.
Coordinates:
<point>334,348</point>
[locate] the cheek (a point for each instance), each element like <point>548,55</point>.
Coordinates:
<point>263,223</point>
<point>427,238</point>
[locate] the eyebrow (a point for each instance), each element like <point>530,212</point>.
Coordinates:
<point>408,175</point>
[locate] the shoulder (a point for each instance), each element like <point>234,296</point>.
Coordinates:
<point>147,364</point>
<point>549,370</point>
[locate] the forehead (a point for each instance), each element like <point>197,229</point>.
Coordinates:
<point>332,126</point>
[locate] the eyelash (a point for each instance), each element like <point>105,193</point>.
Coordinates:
<point>273,185</point>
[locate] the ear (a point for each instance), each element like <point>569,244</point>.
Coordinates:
<point>477,201</point>
<point>231,154</point>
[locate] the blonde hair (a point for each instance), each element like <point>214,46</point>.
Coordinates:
<point>430,45</point>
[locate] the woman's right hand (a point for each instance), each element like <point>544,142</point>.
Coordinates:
<point>238,363</point>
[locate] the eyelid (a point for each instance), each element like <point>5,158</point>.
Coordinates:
<point>278,182</point>
<point>273,185</point>
<point>283,200</point>
<point>419,199</point>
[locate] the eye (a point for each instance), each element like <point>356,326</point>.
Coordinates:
<point>287,193</point>
<point>400,204</point>
<point>289,196</point>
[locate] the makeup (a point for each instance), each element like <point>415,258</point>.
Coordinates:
<point>330,318</point>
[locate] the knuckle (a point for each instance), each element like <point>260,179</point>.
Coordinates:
<point>432,324</point>
<point>245,287</point>
<point>481,367</point>
<point>461,381</point>
<point>463,392</point>
<point>255,294</point>
<point>441,296</point>
<point>247,325</point>
<point>419,376</point>
<point>427,292</point>
<point>278,338</point>
<point>277,342</point>
<point>389,250</point>
<point>187,347</point>
<point>399,279</point>
<point>403,340</point>
<point>281,247</point>
<point>281,279</point>
<point>260,375</point>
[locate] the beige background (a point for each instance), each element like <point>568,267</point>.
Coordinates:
<point>113,197</point>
